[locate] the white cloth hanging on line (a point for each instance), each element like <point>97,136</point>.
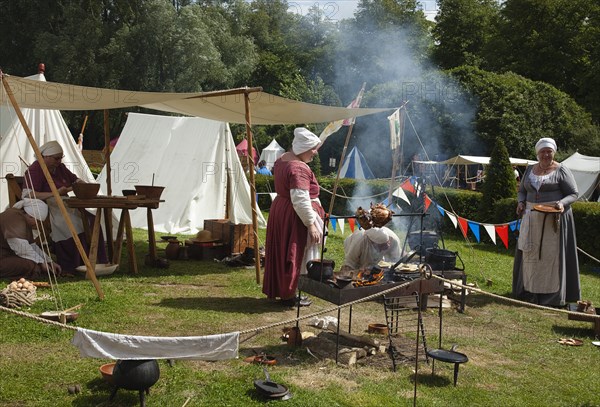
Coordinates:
<point>104,345</point>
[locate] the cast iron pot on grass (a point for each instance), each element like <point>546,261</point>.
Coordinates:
<point>137,375</point>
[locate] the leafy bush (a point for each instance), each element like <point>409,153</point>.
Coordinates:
<point>587,219</point>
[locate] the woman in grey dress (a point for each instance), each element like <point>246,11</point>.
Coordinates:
<point>546,268</point>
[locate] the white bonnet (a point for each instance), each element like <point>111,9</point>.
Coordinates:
<point>545,142</point>
<point>304,140</point>
<point>33,207</point>
<point>377,235</point>
<point>51,148</point>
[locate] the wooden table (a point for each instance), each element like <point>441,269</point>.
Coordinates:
<point>106,204</point>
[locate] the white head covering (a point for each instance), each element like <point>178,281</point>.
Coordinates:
<point>304,140</point>
<point>34,208</point>
<point>545,142</point>
<point>377,235</point>
<point>51,148</point>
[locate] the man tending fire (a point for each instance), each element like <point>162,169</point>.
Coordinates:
<point>374,242</point>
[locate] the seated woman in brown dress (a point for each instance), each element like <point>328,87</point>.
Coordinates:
<point>20,256</point>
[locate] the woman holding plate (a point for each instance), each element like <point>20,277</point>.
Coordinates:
<point>546,268</point>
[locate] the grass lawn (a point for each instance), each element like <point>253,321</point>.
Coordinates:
<point>515,359</point>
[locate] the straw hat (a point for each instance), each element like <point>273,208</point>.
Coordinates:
<point>204,236</point>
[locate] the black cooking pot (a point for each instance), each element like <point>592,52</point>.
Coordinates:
<point>137,375</point>
<point>440,259</point>
<point>320,271</point>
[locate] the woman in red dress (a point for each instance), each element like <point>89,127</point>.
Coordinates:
<point>295,226</point>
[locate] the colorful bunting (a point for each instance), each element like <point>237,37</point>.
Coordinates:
<point>442,211</point>
<point>399,193</point>
<point>427,201</point>
<point>463,226</point>
<point>502,231</point>
<point>341,223</point>
<point>333,223</point>
<point>272,195</point>
<point>452,218</point>
<point>407,186</point>
<point>351,223</point>
<point>491,231</point>
<point>474,226</point>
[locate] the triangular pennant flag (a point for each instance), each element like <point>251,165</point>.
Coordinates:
<point>351,223</point>
<point>257,197</point>
<point>463,226</point>
<point>272,195</point>
<point>491,231</point>
<point>452,218</point>
<point>513,225</point>
<point>427,202</point>
<point>502,231</point>
<point>386,202</point>
<point>399,193</point>
<point>341,223</point>
<point>333,223</point>
<point>442,211</point>
<point>407,186</point>
<point>417,185</point>
<point>474,226</point>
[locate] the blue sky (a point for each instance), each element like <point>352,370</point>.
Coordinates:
<point>340,9</point>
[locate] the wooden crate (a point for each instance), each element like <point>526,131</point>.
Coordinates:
<point>238,237</point>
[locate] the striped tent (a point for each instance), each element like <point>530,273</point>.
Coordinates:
<point>355,166</point>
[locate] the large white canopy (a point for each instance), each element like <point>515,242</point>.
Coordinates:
<point>224,106</point>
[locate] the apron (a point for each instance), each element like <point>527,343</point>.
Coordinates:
<point>539,240</point>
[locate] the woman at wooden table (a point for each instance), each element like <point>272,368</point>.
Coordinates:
<point>295,226</point>
<point>546,267</point>
<point>36,186</point>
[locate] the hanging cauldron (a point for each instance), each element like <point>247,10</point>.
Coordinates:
<point>441,259</point>
<point>320,270</point>
<point>137,375</point>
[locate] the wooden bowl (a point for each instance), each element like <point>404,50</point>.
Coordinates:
<point>150,192</point>
<point>107,371</point>
<point>381,329</point>
<point>128,192</point>
<point>85,190</point>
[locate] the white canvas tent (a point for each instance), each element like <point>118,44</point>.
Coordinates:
<point>271,153</point>
<point>586,170</point>
<point>194,158</point>
<point>45,125</point>
<point>472,159</point>
<point>355,166</point>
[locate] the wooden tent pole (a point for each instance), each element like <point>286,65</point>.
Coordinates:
<point>252,187</point>
<point>90,272</point>
<point>337,177</point>
<point>108,211</point>
<point>107,153</point>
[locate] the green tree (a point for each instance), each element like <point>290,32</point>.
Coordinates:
<point>521,111</point>
<point>499,182</point>
<point>548,40</point>
<point>463,31</point>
